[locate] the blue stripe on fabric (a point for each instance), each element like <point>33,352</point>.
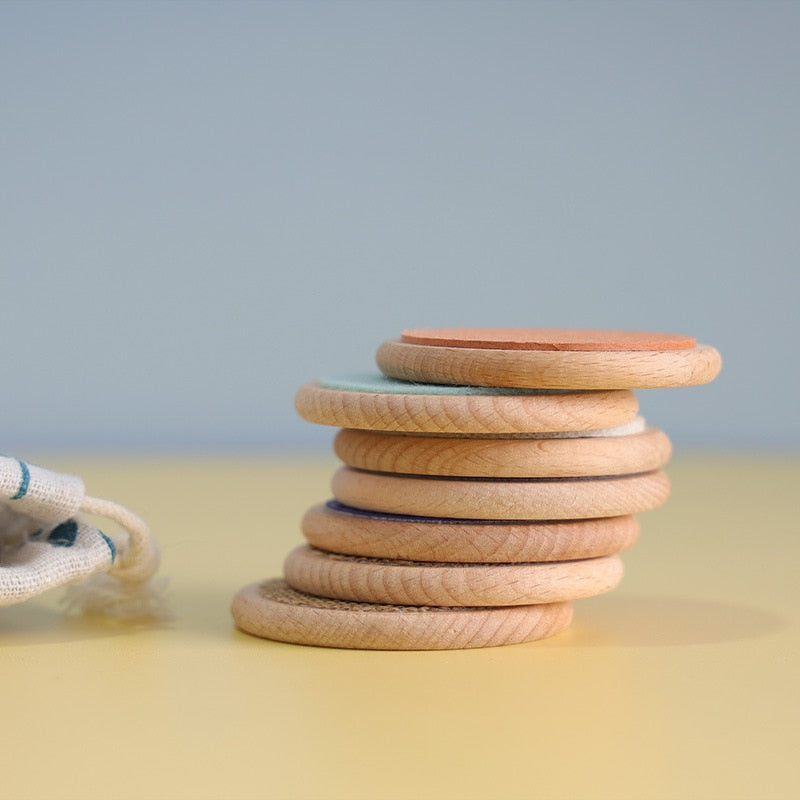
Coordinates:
<point>111,546</point>
<point>63,535</point>
<point>24,483</point>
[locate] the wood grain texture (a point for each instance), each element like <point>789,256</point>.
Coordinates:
<point>547,339</point>
<point>273,610</point>
<point>385,536</point>
<point>470,414</point>
<point>503,458</point>
<point>462,498</point>
<point>541,369</point>
<point>435,584</point>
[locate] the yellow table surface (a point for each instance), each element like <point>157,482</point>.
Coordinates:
<point>682,683</point>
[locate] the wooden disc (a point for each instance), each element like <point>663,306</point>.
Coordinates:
<point>503,458</point>
<point>637,425</point>
<point>529,499</point>
<point>415,583</point>
<point>394,406</point>
<point>547,339</point>
<point>548,369</point>
<point>341,529</point>
<point>273,610</point>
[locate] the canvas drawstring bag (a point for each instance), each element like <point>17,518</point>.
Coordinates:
<point>44,544</point>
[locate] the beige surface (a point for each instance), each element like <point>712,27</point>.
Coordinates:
<point>681,683</point>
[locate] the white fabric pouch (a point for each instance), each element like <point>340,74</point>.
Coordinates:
<point>44,544</point>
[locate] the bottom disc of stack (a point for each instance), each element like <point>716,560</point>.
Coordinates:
<point>371,580</point>
<point>273,610</point>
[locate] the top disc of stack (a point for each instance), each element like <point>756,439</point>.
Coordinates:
<point>548,358</point>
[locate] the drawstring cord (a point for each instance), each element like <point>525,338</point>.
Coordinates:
<point>137,560</point>
<point>128,589</point>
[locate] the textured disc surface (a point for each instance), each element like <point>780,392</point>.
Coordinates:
<point>550,369</point>
<point>467,411</point>
<point>341,529</point>
<point>414,583</point>
<point>377,383</point>
<point>637,425</point>
<point>528,499</point>
<point>503,458</point>
<point>547,339</point>
<point>273,610</point>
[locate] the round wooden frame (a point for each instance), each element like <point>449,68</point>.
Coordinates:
<point>503,458</point>
<point>411,583</point>
<point>465,413</point>
<point>341,529</point>
<point>272,610</point>
<point>548,369</point>
<point>533,499</point>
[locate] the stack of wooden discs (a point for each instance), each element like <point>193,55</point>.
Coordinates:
<point>490,478</point>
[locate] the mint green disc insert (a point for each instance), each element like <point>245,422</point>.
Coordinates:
<point>374,402</point>
<point>377,383</point>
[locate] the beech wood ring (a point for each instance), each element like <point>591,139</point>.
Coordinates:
<point>273,610</point>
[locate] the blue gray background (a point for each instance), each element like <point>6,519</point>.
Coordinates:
<point>205,205</point>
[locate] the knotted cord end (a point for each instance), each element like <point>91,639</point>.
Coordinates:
<point>129,589</point>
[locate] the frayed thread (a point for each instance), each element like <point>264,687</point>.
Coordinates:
<point>129,590</point>
<point>111,596</point>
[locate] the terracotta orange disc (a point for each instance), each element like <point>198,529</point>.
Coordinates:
<point>547,339</point>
